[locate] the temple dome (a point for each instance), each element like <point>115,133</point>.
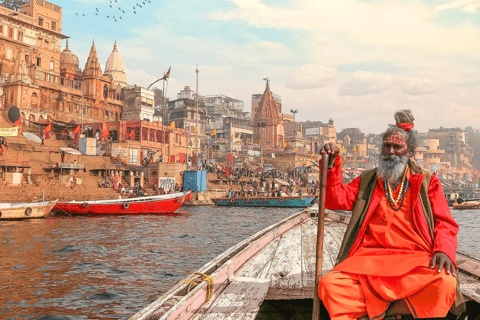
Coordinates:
<point>68,58</point>
<point>116,68</point>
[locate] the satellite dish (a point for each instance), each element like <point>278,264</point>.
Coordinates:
<point>13,114</point>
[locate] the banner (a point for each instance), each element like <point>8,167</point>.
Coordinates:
<point>122,152</point>
<point>9,132</point>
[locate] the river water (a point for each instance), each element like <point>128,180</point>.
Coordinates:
<point>110,267</point>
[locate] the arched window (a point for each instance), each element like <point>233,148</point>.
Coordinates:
<point>61,106</point>
<point>105,91</point>
<point>34,100</point>
<point>106,114</point>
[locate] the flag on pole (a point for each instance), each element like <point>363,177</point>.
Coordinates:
<point>47,129</point>
<point>284,144</point>
<point>172,125</point>
<point>131,135</point>
<point>196,129</point>
<point>214,132</point>
<point>77,129</point>
<point>165,77</point>
<point>295,149</point>
<point>104,131</point>
<point>17,123</point>
<point>232,137</point>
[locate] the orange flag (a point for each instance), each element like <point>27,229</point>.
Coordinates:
<point>131,135</point>
<point>17,123</point>
<point>47,129</point>
<point>77,129</point>
<point>104,130</point>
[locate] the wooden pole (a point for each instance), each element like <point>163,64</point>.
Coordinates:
<point>321,221</point>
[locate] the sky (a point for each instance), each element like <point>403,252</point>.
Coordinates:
<point>353,61</point>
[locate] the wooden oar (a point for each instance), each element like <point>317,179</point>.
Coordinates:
<point>321,221</point>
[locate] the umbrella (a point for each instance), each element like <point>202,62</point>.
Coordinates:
<point>71,151</point>
<point>32,137</point>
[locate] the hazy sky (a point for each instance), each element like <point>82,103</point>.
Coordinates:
<point>355,61</point>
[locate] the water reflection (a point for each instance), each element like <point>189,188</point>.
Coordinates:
<point>110,267</point>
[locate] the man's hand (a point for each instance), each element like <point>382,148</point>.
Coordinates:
<point>443,261</point>
<point>331,149</point>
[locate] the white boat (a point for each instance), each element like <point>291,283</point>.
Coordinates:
<point>272,274</point>
<point>25,210</point>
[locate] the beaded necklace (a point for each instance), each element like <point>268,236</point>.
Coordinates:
<point>401,196</point>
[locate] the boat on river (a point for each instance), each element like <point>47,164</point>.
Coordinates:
<point>277,202</point>
<point>271,275</point>
<point>467,205</point>
<point>25,210</point>
<point>167,203</point>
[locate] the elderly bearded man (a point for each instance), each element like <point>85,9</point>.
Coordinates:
<point>398,253</point>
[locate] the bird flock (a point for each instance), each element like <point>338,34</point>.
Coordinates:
<point>111,10</point>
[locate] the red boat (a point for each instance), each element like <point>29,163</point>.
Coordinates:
<point>167,203</point>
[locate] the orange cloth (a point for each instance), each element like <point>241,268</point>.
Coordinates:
<point>392,263</point>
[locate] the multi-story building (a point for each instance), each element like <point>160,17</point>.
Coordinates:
<point>184,112</point>
<point>139,104</point>
<point>43,82</point>
<point>320,132</point>
<point>257,98</point>
<point>453,141</point>
<point>231,123</point>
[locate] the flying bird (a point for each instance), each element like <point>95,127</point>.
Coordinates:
<point>140,6</point>
<point>76,13</point>
<point>84,14</point>
<point>111,6</point>
<point>134,12</point>
<point>108,17</point>
<point>96,13</point>
<point>134,8</point>
<point>96,9</point>
<point>123,11</point>
<point>116,1</point>
<point>115,20</point>
<point>120,17</point>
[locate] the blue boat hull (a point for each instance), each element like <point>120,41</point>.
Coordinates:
<point>280,202</point>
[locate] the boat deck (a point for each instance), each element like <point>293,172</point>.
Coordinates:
<point>277,263</point>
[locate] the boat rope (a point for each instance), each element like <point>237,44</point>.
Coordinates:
<point>200,277</point>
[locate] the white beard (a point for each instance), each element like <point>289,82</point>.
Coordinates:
<point>391,167</point>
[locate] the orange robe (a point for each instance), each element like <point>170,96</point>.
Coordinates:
<point>392,263</point>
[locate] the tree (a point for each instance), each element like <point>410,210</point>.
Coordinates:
<point>158,97</point>
<point>13,4</point>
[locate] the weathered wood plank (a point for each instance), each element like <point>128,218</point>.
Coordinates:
<point>285,294</point>
<point>330,250</point>
<point>259,262</point>
<point>469,265</point>
<point>285,269</point>
<point>309,243</point>
<point>240,301</point>
<point>470,287</point>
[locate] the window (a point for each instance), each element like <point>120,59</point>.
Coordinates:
<point>9,54</point>
<point>40,21</point>
<point>54,25</point>
<point>20,36</point>
<point>46,44</point>
<point>105,91</point>
<point>1,30</point>
<point>52,46</point>
<point>39,62</point>
<point>27,59</point>
<point>39,42</point>
<point>10,32</point>
<point>52,65</point>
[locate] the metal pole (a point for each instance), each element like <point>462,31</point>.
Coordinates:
<point>320,227</point>
<point>83,93</point>
<point>196,118</point>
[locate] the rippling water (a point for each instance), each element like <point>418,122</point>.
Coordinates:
<point>111,267</point>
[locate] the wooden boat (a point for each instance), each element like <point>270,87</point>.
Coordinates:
<point>167,203</point>
<point>468,205</point>
<point>268,273</point>
<point>24,210</point>
<point>279,202</point>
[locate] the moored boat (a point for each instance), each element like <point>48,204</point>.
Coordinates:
<point>272,274</point>
<point>278,202</point>
<point>24,210</point>
<point>167,203</point>
<point>468,205</point>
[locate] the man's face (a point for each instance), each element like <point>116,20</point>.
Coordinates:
<point>395,144</point>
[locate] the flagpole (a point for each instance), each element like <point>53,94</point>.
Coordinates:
<point>83,90</point>
<point>196,118</point>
